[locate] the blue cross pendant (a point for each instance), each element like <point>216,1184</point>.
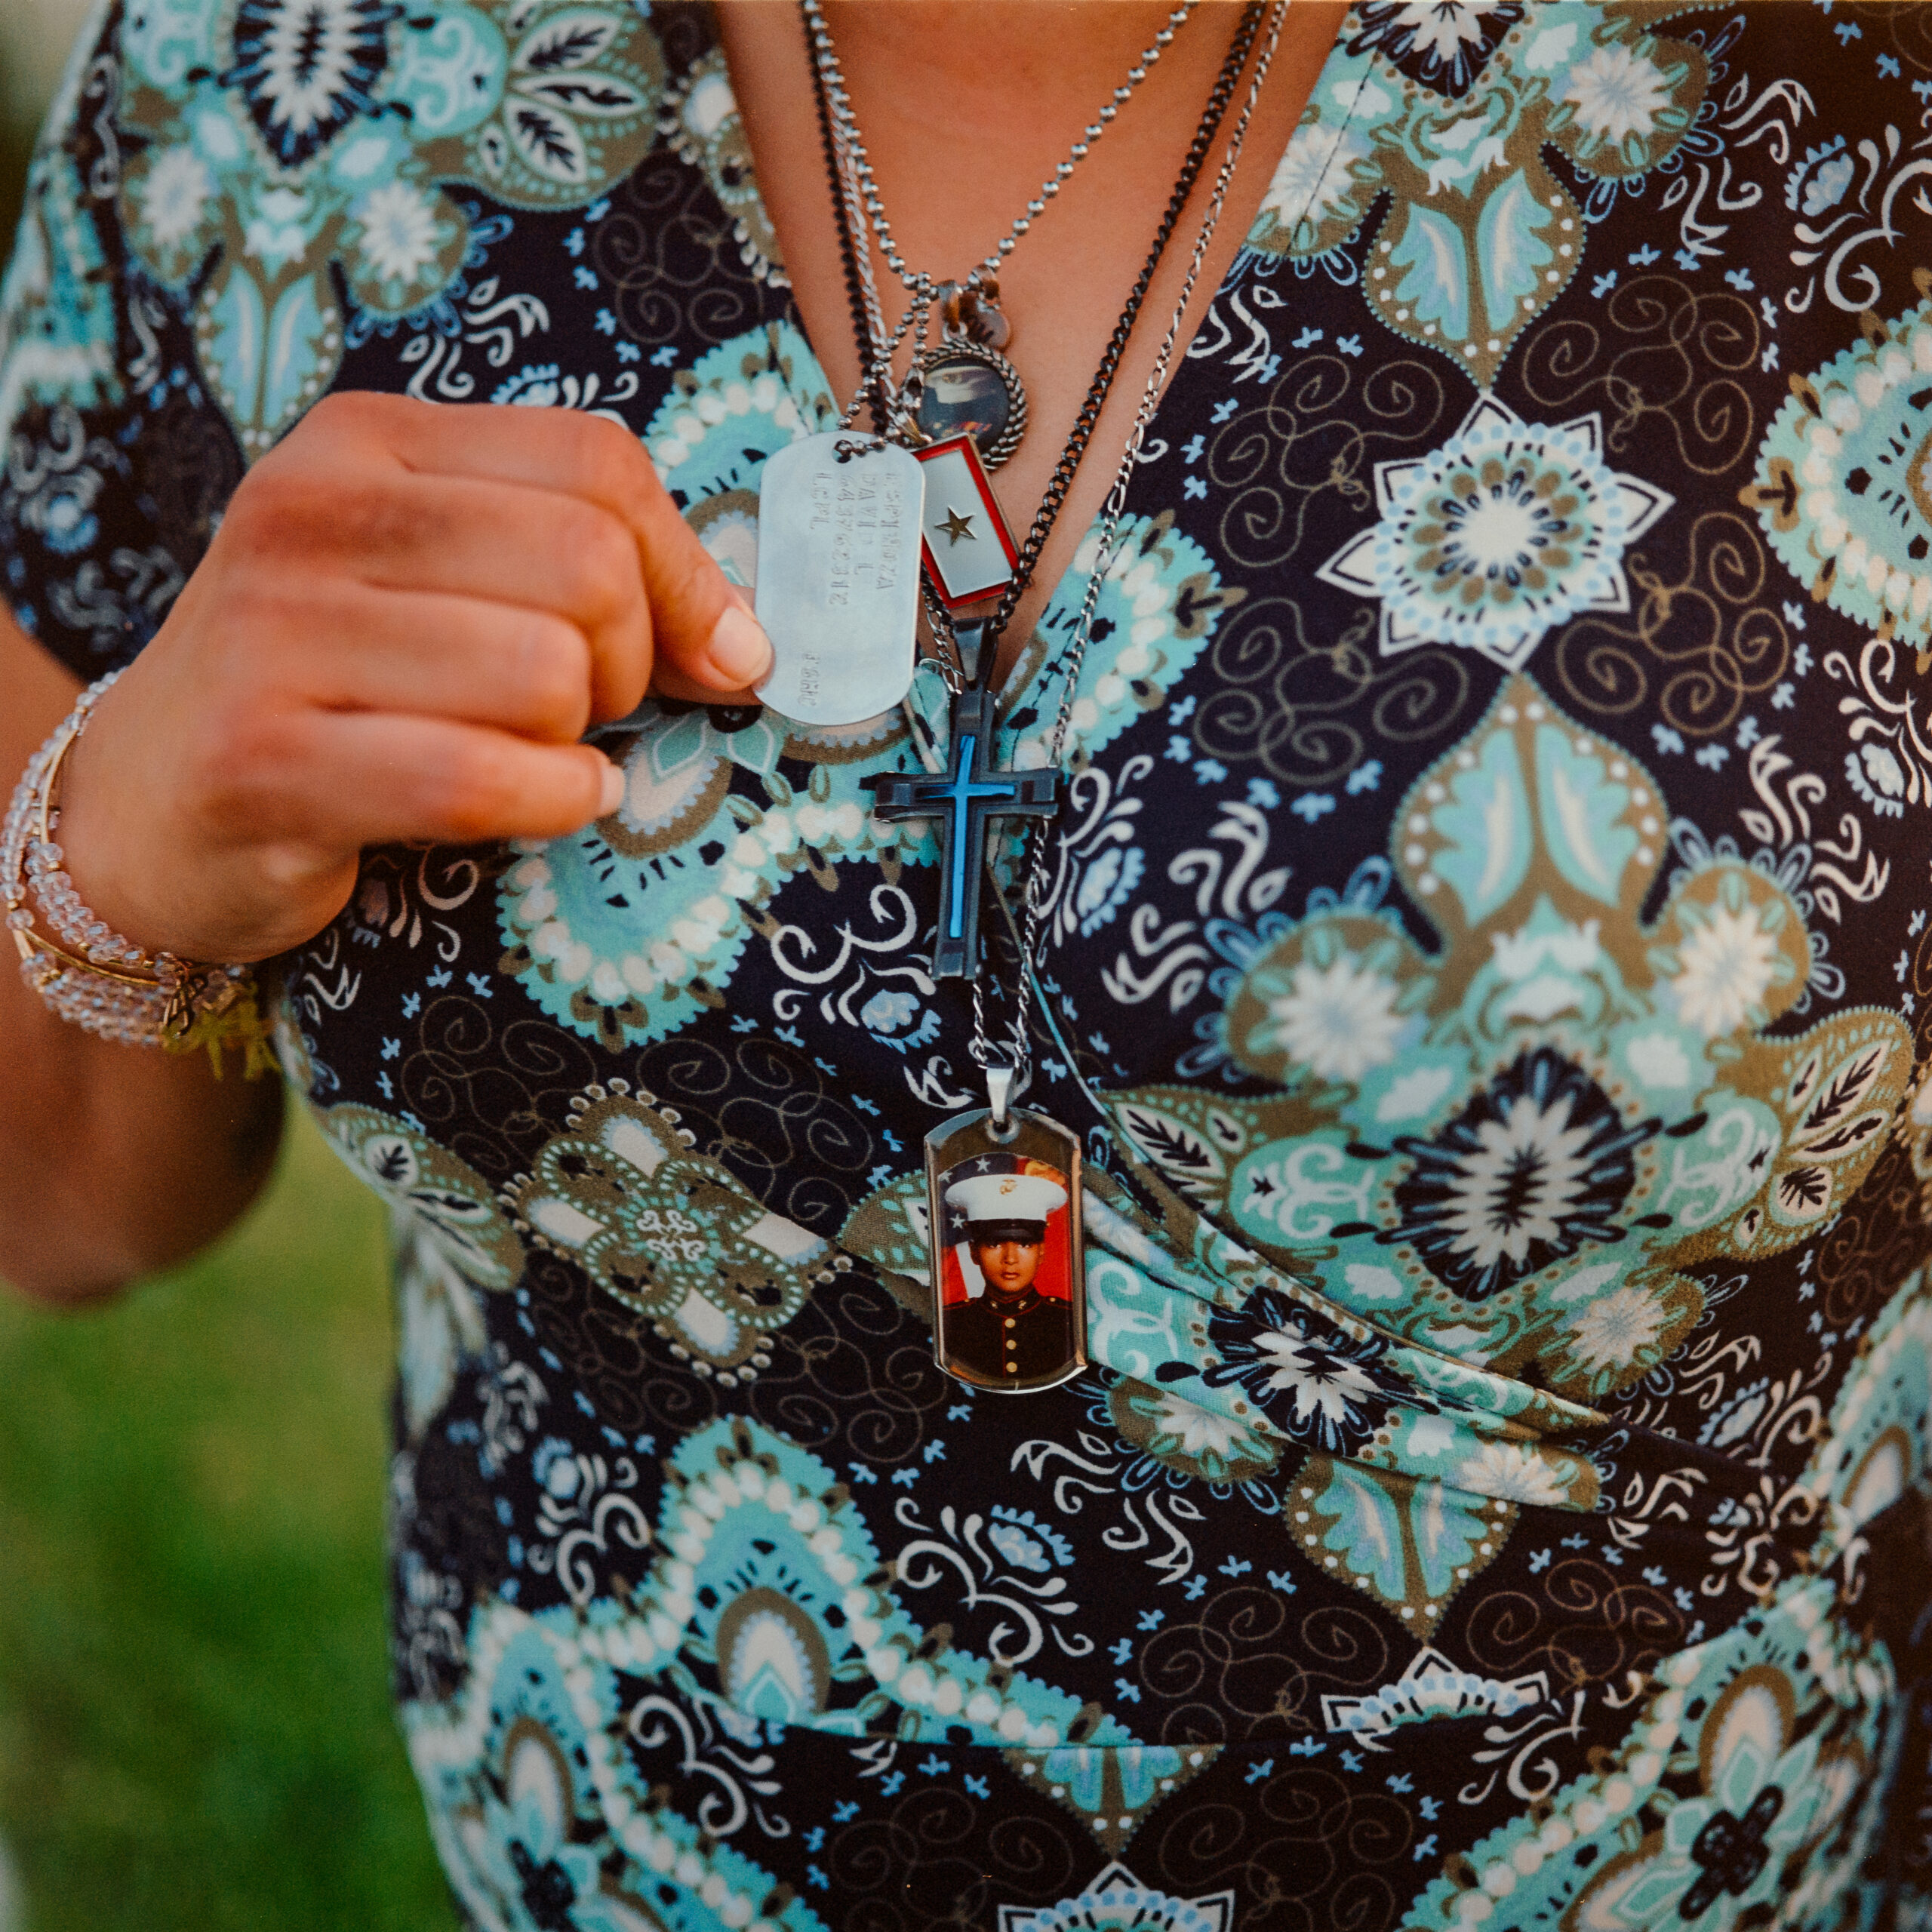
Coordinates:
<point>963,801</point>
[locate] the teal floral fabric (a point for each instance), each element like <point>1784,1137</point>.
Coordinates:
<point>1484,948</point>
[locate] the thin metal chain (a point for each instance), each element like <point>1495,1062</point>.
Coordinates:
<point>887,404</point>
<point>877,351</point>
<point>861,292</point>
<point>1061,481</point>
<point>946,654</point>
<point>839,132</point>
<point>951,664</point>
<point>875,379</point>
<point>845,122</point>
<point>1018,1052</point>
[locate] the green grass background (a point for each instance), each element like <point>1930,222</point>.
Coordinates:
<point>195,1724</point>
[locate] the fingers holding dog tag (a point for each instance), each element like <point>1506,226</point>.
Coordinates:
<point>839,521</point>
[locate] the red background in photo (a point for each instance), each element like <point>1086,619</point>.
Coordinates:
<point>1055,1278</point>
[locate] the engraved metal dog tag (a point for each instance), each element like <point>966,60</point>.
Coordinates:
<point>838,542</point>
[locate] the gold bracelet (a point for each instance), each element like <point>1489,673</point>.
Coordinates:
<point>98,979</point>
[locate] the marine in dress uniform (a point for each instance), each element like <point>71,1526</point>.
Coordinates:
<point>1011,1333</point>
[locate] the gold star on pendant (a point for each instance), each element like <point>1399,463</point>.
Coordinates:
<point>956,526</point>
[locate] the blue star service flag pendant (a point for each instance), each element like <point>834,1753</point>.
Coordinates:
<point>969,550</point>
<point>963,799</point>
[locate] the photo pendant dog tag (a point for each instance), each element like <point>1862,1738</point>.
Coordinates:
<point>1009,1292</point>
<point>838,547</point>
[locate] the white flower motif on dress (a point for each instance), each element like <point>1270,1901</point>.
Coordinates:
<point>400,236</point>
<point>1877,777</point>
<point>1615,1330</point>
<point>1339,1020</point>
<point>1118,1902</point>
<point>1617,94</point>
<point>1314,176</point>
<point>1516,1473</point>
<point>1518,1181</point>
<point>1177,1434</point>
<point>174,195</point>
<point>1312,1384</point>
<point>1507,531</point>
<point>1533,1168</point>
<point>1444,33</point>
<point>1440,33</point>
<point>1320,1384</point>
<point>1727,964</point>
<point>306,70</point>
<point>1200,1432</point>
<point>1444,45</point>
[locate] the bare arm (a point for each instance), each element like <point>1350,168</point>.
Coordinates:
<point>408,618</point>
<point>113,1162</point>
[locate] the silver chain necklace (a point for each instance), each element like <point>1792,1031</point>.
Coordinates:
<point>1004,1237</point>
<point>845,520</point>
<point>1001,1077</point>
<point>963,382</point>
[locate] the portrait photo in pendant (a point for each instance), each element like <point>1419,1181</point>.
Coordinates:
<point>1007,1304</point>
<point>971,391</point>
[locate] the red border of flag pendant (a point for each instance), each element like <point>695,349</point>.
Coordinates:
<point>962,569</point>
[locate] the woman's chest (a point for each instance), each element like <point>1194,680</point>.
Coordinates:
<point>1440,894</point>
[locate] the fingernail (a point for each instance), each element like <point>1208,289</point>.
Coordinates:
<point>740,649</point>
<point>614,790</point>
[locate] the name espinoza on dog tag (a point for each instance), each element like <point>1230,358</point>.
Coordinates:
<point>838,539</point>
<point>1009,1290</point>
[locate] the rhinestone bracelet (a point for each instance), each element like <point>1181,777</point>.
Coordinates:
<point>87,973</point>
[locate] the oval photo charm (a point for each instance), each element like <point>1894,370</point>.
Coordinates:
<point>971,390</point>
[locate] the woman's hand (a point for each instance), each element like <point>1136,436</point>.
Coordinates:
<point>409,615</point>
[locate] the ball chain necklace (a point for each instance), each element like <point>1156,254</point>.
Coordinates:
<point>963,385</point>
<point>839,513</point>
<point>957,492</point>
<point>949,587</point>
<point>846,520</point>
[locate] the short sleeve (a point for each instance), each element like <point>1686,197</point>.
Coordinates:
<point>117,464</point>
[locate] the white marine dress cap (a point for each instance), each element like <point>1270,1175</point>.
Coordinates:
<point>1006,1198</point>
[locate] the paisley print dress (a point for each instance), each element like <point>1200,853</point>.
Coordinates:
<point>1485,943</point>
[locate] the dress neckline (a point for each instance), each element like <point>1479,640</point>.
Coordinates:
<point>1030,666</point>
